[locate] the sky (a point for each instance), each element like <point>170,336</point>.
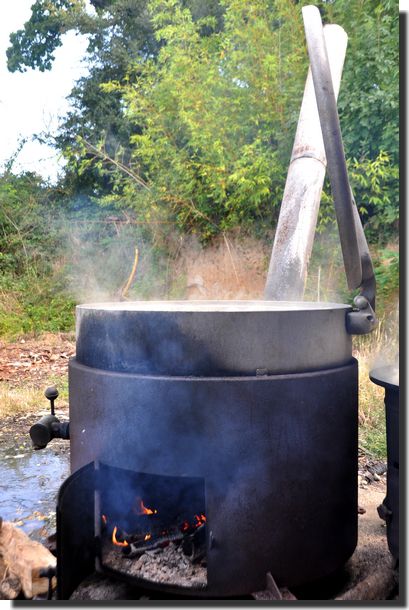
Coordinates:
<point>32,101</point>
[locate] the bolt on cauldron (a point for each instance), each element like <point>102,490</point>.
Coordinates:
<point>234,420</point>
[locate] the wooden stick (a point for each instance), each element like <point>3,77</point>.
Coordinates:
<point>125,289</point>
<point>133,550</point>
<point>377,585</point>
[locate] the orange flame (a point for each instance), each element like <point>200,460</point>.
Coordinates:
<point>115,541</point>
<point>143,510</point>
<point>200,519</point>
<point>148,537</point>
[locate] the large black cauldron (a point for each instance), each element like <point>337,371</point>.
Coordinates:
<point>256,399</point>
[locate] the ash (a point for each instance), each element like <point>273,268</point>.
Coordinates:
<point>169,565</point>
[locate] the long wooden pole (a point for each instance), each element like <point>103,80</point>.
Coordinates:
<point>302,193</point>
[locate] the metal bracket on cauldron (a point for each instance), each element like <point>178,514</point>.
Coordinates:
<point>49,426</point>
<point>362,319</point>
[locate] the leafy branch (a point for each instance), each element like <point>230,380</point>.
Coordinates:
<point>105,157</point>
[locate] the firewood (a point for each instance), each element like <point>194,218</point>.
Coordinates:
<point>9,587</point>
<point>135,550</point>
<point>23,560</point>
<point>377,585</point>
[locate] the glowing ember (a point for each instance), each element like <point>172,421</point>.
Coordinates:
<point>148,537</point>
<point>115,541</point>
<point>104,519</point>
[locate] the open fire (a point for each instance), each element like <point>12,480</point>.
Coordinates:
<point>153,536</point>
<point>152,528</point>
<point>175,554</point>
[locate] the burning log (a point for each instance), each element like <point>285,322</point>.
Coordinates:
<point>135,550</point>
<point>194,545</point>
<point>22,562</point>
<point>192,535</point>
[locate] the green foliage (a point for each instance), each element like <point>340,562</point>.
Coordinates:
<point>188,116</point>
<point>368,106</point>
<point>386,265</point>
<point>212,118</point>
<point>118,31</point>
<point>31,305</point>
<point>375,186</point>
<point>25,239</point>
<point>189,108</point>
<point>211,115</point>
<point>369,96</point>
<point>372,438</point>
<point>30,300</point>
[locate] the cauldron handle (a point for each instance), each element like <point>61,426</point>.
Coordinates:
<point>355,252</point>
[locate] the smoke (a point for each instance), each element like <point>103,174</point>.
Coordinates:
<point>98,255</point>
<point>98,251</point>
<point>326,280</point>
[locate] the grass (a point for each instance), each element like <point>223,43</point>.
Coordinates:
<point>19,400</point>
<point>372,427</point>
<point>28,399</point>
<point>376,349</point>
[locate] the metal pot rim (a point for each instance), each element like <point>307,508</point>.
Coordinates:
<point>386,376</point>
<point>215,306</point>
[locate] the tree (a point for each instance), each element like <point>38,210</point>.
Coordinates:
<point>212,115</point>
<point>189,109</point>
<point>118,31</point>
<point>369,109</point>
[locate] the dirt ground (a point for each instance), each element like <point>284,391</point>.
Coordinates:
<point>33,363</point>
<point>36,361</point>
<point>41,362</point>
